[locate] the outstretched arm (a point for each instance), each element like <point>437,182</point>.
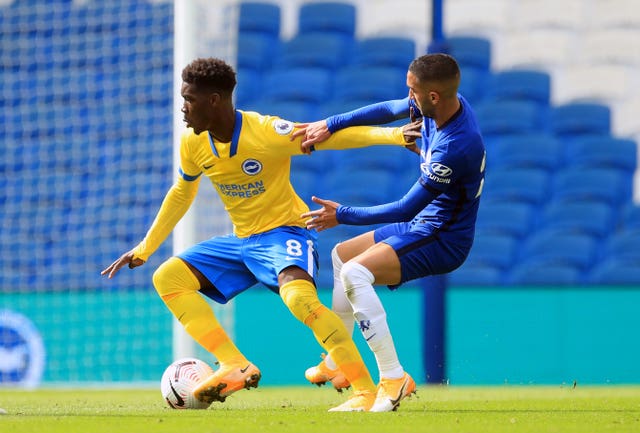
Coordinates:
<point>332,213</point>
<point>174,206</point>
<point>374,114</point>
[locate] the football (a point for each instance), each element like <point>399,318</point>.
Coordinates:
<point>179,380</point>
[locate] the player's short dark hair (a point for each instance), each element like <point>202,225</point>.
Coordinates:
<point>436,67</point>
<point>210,74</point>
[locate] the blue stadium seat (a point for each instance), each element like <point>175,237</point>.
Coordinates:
<point>361,186</point>
<point>508,117</point>
<point>611,186</point>
<point>520,84</point>
<point>394,159</point>
<point>494,249</point>
<point>259,17</point>
<point>533,150</point>
<point>622,244</point>
<point>527,185</point>
<point>256,51</point>
<point>580,118</point>
<point>292,110</point>
<point>473,84</point>
<point>616,271</point>
<point>385,51</point>
<point>327,17</point>
<point>552,246</point>
<point>371,83</point>
<point>313,85</point>
<point>249,86</point>
<point>470,51</point>
<point>476,274</point>
<point>508,217</point>
<point>544,273</point>
<point>630,216</point>
<point>330,51</point>
<point>602,151</point>
<point>593,218</point>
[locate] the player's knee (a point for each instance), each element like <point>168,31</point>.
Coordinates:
<point>173,276</point>
<point>354,276</point>
<point>335,258</point>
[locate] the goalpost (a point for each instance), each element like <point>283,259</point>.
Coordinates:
<point>201,29</point>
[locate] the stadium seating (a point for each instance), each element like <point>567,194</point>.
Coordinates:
<point>499,118</point>
<point>580,118</point>
<point>544,273</point>
<point>622,244</point>
<point>322,50</point>
<point>306,84</point>
<point>552,246</point>
<point>375,83</point>
<point>470,51</point>
<point>256,51</point>
<point>327,17</point>
<point>594,218</point>
<point>476,274</point>
<point>521,85</point>
<point>529,185</point>
<point>505,217</point>
<point>259,17</point>
<point>611,186</point>
<point>533,150</point>
<point>614,271</point>
<point>395,52</point>
<point>602,151</point>
<point>494,249</point>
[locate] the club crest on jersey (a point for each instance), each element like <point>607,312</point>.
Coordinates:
<point>251,166</point>
<point>283,127</point>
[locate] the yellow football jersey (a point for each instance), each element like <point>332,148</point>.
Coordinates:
<point>251,174</point>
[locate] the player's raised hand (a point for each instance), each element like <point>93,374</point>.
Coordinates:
<point>313,133</point>
<point>411,133</point>
<point>127,259</point>
<point>323,218</point>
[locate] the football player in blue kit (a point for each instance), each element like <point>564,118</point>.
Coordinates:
<point>430,230</point>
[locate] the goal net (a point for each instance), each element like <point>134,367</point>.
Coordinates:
<point>87,133</point>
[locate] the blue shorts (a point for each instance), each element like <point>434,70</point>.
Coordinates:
<point>422,250</point>
<point>234,264</point>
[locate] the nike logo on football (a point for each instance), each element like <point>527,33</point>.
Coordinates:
<point>244,370</point>
<point>179,399</point>
<point>207,167</point>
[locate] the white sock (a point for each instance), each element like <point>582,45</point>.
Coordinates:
<point>339,302</point>
<point>371,317</point>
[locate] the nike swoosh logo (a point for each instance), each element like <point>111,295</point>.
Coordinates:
<point>244,370</point>
<point>179,399</point>
<point>400,394</point>
<point>329,336</point>
<point>207,167</point>
<point>370,337</point>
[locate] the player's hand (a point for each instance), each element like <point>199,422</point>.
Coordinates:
<point>127,259</point>
<point>313,133</point>
<point>411,132</point>
<point>323,218</point>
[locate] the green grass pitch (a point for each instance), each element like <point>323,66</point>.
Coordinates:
<point>439,409</point>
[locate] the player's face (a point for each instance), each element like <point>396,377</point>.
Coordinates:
<point>196,108</point>
<point>424,98</point>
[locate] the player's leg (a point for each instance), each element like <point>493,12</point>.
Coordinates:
<point>285,260</point>
<point>327,370</point>
<point>395,383</point>
<point>180,283</point>
<point>300,296</point>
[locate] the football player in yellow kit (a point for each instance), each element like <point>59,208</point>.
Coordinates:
<point>247,158</point>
